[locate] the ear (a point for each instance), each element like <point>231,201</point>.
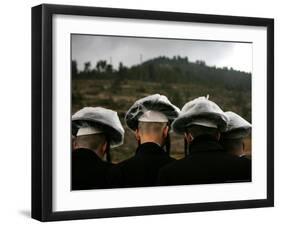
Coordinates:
<point>74,143</point>
<point>218,136</point>
<point>137,134</point>
<point>188,137</point>
<point>165,131</point>
<point>103,148</point>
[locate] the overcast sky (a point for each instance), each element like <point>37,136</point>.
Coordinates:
<point>131,51</point>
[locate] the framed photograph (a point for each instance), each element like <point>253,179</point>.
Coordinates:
<point>145,112</point>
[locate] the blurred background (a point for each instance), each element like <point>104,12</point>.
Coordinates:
<point>113,72</point>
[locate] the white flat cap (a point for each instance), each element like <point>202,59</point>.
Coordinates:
<point>99,119</point>
<point>200,111</point>
<point>237,126</point>
<point>151,108</point>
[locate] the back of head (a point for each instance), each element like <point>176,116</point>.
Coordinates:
<point>155,132</point>
<point>91,141</point>
<point>233,138</point>
<point>237,127</point>
<point>199,117</point>
<point>197,130</point>
<point>101,120</point>
<point>153,108</point>
<point>151,128</point>
<point>148,117</point>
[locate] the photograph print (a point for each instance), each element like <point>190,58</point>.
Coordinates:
<point>159,112</point>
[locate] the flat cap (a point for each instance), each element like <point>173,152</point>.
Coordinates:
<point>237,127</point>
<point>200,111</point>
<point>153,103</point>
<point>101,119</point>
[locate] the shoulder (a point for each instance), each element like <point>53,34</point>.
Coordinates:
<point>125,162</point>
<point>166,175</point>
<point>121,167</point>
<point>239,160</point>
<point>174,165</point>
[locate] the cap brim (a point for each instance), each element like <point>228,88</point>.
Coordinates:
<point>116,137</point>
<point>236,134</point>
<point>182,122</point>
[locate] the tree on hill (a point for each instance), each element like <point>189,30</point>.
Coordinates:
<point>74,69</point>
<point>87,67</point>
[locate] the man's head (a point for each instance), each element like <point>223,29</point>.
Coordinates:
<point>156,132</point>
<point>237,130</point>
<point>200,112</point>
<point>98,129</point>
<point>91,138</point>
<point>149,118</point>
<point>98,118</point>
<point>194,131</point>
<point>200,117</point>
<point>152,108</point>
<point>94,142</point>
<point>152,127</point>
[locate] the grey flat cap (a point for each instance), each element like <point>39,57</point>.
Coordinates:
<point>200,111</point>
<point>156,102</point>
<point>102,119</point>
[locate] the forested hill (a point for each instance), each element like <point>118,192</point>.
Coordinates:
<point>166,70</point>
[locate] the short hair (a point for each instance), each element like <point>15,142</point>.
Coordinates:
<point>197,130</point>
<point>151,127</point>
<point>93,141</point>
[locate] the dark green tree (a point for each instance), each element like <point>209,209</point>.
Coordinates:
<point>101,66</point>
<point>74,70</point>
<point>87,67</point>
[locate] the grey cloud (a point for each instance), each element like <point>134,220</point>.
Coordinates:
<point>128,50</point>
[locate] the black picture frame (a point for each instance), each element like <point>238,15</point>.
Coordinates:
<point>42,111</point>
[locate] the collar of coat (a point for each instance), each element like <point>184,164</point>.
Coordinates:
<point>85,153</point>
<point>150,148</point>
<point>205,143</point>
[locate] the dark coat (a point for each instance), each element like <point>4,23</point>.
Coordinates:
<point>88,170</point>
<point>207,163</point>
<point>142,169</point>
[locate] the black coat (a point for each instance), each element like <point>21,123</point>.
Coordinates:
<point>207,163</point>
<point>142,169</point>
<point>88,170</point>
